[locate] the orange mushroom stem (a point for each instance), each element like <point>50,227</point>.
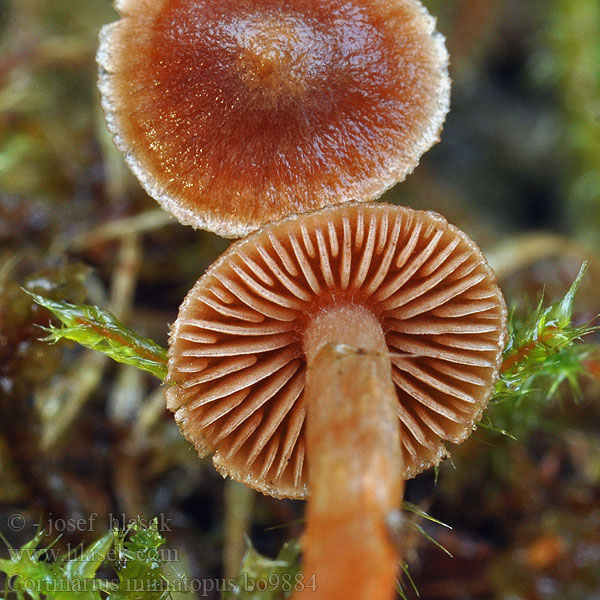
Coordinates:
<point>357,481</point>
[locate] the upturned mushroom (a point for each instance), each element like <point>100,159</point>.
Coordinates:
<point>234,113</point>
<point>335,353</point>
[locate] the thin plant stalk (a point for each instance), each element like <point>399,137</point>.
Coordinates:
<point>239,503</point>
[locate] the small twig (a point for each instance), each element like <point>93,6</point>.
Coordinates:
<point>144,222</point>
<point>344,350</point>
<point>61,402</point>
<point>239,502</point>
<point>523,250</point>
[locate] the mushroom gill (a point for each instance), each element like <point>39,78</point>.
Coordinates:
<point>237,363</point>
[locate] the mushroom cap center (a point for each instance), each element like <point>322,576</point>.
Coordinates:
<point>280,55</point>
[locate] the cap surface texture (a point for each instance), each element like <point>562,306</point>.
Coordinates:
<point>235,113</point>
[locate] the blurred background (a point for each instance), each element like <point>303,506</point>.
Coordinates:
<point>518,169</point>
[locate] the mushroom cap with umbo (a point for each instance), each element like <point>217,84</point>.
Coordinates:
<point>236,358</point>
<point>234,113</point>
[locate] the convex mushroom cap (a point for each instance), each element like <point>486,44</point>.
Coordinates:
<point>234,113</point>
<point>236,358</point>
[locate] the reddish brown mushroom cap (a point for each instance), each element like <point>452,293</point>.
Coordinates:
<point>234,113</point>
<point>236,359</point>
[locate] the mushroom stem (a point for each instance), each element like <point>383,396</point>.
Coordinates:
<point>355,460</point>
